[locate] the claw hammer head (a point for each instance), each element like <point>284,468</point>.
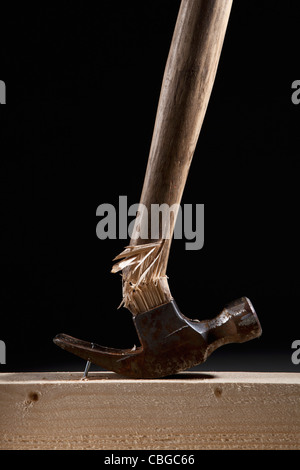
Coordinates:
<point>170,342</point>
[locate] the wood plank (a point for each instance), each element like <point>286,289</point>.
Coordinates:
<point>193,410</point>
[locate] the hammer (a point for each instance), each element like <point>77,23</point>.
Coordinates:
<point>169,341</point>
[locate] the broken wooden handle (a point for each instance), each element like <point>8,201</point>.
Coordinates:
<point>187,84</point>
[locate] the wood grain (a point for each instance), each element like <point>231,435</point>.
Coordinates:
<point>217,410</point>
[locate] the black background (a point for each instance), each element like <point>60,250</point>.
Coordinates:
<point>83,82</point>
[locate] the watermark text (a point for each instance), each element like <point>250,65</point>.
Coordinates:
<point>2,352</point>
<point>296,354</point>
<point>2,92</point>
<point>296,93</point>
<point>155,224</point>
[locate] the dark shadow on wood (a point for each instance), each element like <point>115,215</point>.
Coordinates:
<point>191,376</point>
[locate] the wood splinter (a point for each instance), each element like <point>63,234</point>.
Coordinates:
<point>145,285</point>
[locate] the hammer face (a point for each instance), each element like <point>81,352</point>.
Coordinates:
<point>170,342</point>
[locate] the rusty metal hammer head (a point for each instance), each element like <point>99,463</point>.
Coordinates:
<point>170,342</point>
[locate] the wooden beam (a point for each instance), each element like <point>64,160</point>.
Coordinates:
<point>193,410</point>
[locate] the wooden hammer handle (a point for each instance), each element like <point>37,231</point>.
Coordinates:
<point>187,84</point>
